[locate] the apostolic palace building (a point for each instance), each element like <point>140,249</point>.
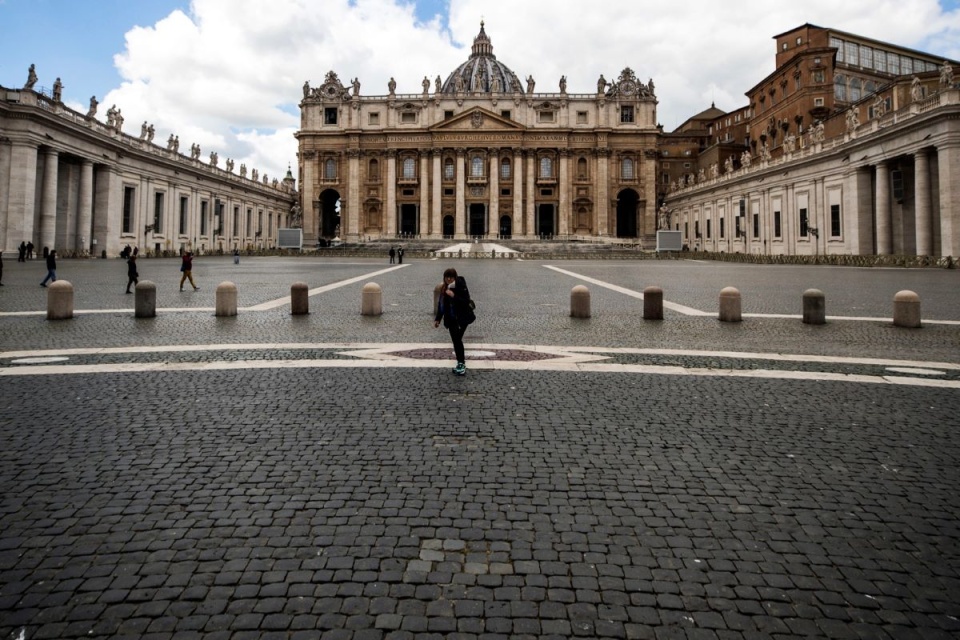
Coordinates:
<point>850,146</point>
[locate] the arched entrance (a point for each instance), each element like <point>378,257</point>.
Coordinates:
<point>545,216</point>
<point>329,213</point>
<point>478,220</point>
<point>506,227</point>
<point>448,228</point>
<point>627,207</point>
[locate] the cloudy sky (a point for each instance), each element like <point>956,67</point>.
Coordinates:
<point>228,74</point>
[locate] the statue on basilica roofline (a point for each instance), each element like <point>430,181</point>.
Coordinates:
<point>495,85</point>
<point>92,111</point>
<point>563,84</point>
<point>426,84</point>
<point>392,86</point>
<point>31,77</point>
<point>356,86</point>
<point>601,84</point>
<point>57,90</point>
<point>946,74</point>
<point>437,84</point>
<point>531,84</point>
<point>306,89</point>
<point>916,91</point>
<point>728,165</point>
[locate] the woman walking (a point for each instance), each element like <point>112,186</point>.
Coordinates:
<point>456,310</point>
<point>133,277</point>
<point>187,268</point>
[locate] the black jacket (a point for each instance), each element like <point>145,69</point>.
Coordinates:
<point>456,311</point>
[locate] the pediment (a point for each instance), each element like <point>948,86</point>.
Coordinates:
<point>477,119</point>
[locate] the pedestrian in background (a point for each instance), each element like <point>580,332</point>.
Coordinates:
<point>236,255</point>
<point>22,252</point>
<point>456,311</point>
<point>392,254</point>
<point>187,268</point>
<point>132,276</point>
<point>51,268</point>
<point>400,255</point>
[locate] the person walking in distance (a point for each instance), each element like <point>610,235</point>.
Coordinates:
<point>392,254</point>
<point>456,311</point>
<point>400,255</point>
<point>51,268</point>
<point>187,268</point>
<point>132,276</point>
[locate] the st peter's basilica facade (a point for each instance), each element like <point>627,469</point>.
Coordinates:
<point>481,154</point>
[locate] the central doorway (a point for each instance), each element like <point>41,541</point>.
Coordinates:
<point>627,208</point>
<point>477,219</point>
<point>506,227</point>
<point>329,213</point>
<point>545,217</point>
<point>408,220</point>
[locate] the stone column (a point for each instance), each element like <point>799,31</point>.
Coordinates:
<point>602,205</point>
<point>48,200</point>
<point>493,226</point>
<point>563,185</point>
<point>351,223</point>
<point>459,214</point>
<point>436,210</point>
<point>883,214</point>
<point>85,213</point>
<point>422,215</point>
<point>5,153</point>
<point>517,227</point>
<point>108,211</point>
<point>857,212</point>
<point>948,159</point>
<point>530,158</point>
<point>391,206</point>
<point>923,213</point>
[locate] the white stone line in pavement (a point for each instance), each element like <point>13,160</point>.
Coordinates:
<point>690,311</point>
<point>583,367</point>
<point>363,349</point>
<point>679,308</point>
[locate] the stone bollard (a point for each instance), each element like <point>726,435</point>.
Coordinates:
<point>226,300</point>
<point>580,302</point>
<point>906,309</point>
<point>299,299</point>
<point>145,304</point>
<point>730,305</point>
<point>436,298</point>
<point>814,307</point>
<point>59,300</point>
<point>371,300</point>
<point>653,303</point>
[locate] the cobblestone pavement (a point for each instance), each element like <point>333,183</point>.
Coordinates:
<point>326,476</point>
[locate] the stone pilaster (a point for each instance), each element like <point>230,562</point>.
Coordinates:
<point>948,159</point>
<point>530,159</point>
<point>493,225</point>
<point>436,210</point>
<point>563,186</point>
<point>391,207</point>
<point>424,212</point>
<point>351,222</point>
<point>459,216</point>
<point>517,225</point>
<point>603,199</point>
<point>108,211</point>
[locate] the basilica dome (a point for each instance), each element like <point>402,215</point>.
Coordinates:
<point>482,72</point>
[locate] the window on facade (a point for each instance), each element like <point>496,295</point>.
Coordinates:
<point>330,169</point>
<point>626,113</point>
<point>128,199</point>
<point>804,223</point>
<point>249,221</point>
<point>546,116</point>
<point>893,64</point>
<point>708,229</point>
<point>270,224</point>
<point>835,220</point>
<point>837,44</point>
<point>184,205</point>
<point>722,229</point>
<point>505,113</point>
<point>840,87</point>
<point>880,61</point>
<point>204,213</point>
<point>447,115</point>
<point>236,220</point>
<point>866,57</point>
<point>626,169</point>
<point>373,118</point>
<point>260,222</point>
<point>818,102</point>
<point>408,117</point>
<point>448,169</point>
<point>906,65</point>
<point>330,115</point>
<point>409,168</point>
<point>546,167</point>
<point>855,89</point>
<point>776,225</point>
<point>818,77</point>
<point>505,168</point>
<point>756,225</point>
<point>851,53</point>
<point>374,170</point>
<point>476,167</point>
<point>582,168</point>
<point>158,213</point>
<point>581,117</point>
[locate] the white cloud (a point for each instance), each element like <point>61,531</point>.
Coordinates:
<point>229,75</point>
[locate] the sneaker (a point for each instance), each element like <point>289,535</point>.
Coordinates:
<point>460,369</point>
<point>43,285</point>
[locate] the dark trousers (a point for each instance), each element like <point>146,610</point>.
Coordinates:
<point>456,334</point>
